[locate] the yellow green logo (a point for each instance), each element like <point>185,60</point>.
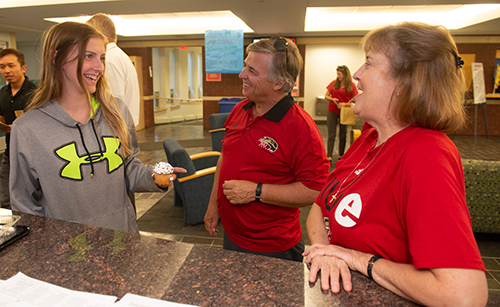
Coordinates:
<point>73,167</point>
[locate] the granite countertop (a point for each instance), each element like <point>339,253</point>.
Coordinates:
<point>104,261</point>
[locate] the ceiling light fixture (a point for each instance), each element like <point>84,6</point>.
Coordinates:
<point>170,23</point>
<point>22,3</point>
<point>365,18</point>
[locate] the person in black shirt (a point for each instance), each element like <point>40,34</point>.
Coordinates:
<point>14,97</point>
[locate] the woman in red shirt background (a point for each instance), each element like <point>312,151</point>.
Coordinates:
<point>339,92</point>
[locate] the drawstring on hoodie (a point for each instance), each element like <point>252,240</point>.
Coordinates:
<point>85,146</point>
<point>96,137</point>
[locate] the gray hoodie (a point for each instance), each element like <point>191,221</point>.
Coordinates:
<point>52,174</point>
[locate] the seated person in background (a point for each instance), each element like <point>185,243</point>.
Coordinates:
<point>273,159</point>
<point>398,196</point>
<point>73,151</point>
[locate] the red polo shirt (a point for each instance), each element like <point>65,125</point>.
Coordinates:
<point>282,146</point>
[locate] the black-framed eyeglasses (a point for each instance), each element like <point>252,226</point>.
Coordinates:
<point>281,44</point>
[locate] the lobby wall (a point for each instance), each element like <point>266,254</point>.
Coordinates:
<point>321,56</point>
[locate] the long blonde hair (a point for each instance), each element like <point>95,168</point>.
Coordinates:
<point>59,42</point>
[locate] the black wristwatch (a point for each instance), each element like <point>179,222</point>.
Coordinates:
<point>258,191</point>
<point>370,264</point>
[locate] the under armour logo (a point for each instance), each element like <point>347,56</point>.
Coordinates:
<point>72,169</point>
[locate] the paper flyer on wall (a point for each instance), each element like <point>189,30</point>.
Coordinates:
<point>478,83</point>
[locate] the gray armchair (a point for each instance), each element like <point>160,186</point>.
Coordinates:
<point>217,130</point>
<point>192,189</point>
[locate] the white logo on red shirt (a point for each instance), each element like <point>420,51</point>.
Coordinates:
<point>359,171</point>
<point>268,144</point>
<point>350,205</point>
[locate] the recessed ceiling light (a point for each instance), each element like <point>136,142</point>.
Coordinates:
<point>170,23</point>
<point>363,18</point>
<point>20,3</point>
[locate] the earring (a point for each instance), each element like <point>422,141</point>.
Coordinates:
<point>53,54</point>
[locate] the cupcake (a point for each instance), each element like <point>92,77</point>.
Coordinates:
<point>163,172</point>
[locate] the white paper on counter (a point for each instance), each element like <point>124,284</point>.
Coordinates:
<point>4,211</point>
<point>42,294</point>
<point>133,300</point>
<point>11,301</point>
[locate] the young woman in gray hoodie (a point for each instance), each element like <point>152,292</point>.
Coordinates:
<point>73,152</point>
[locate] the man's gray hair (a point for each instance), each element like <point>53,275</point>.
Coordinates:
<point>285,65</point>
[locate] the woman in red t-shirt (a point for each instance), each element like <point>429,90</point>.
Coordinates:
<point>394,208</point>
<point>340,92</point>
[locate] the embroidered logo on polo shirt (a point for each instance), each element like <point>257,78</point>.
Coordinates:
<point>268,144</point>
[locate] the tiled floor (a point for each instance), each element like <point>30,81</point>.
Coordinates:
<point>158,217</point>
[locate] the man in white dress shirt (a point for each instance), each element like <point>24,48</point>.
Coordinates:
<point>120,72</point>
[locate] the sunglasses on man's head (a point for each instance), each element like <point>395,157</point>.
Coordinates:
<point>281,44</point>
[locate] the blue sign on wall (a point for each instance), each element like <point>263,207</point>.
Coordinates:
<point>224,51</point>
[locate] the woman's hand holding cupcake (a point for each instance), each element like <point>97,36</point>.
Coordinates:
<point>163,173</point>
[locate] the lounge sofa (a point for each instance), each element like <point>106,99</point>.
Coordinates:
<point>482,191</point>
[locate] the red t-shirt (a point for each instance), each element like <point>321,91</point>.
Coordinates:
<point>341,95</point>
<point>408,205</point>
<point>281,147</point>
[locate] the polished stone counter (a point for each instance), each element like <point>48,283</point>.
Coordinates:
<point>104,261</point>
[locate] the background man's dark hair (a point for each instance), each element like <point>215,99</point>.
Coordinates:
<point>19,54</point>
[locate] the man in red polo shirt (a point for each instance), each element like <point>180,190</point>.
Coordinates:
<point>273,158</point>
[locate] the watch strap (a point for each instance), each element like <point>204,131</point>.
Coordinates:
<point>258,191</point>
<point>370,264</point>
